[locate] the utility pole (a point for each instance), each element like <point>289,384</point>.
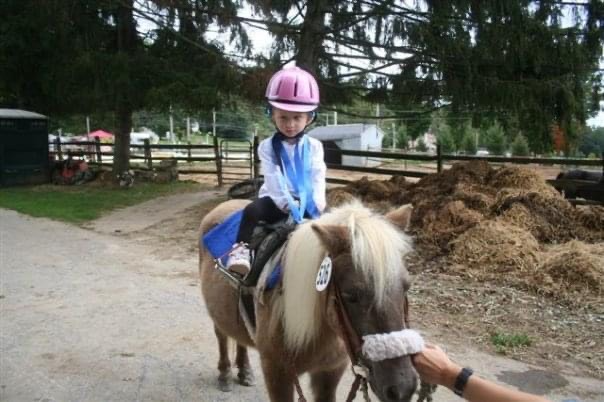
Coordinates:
<point>188,129</point>
<point>87,127</point>
<point>393,137</point>
<point>377,114</point>
<point>335,118</point>
<point>327,119</point>
<point>171,126</point>
<point>214,122</point>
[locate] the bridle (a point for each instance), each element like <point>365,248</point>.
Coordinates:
<point>354,344</point>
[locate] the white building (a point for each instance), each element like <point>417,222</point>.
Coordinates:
<point>139,137</point>
<point>356,137</point>
<point>429,140</point>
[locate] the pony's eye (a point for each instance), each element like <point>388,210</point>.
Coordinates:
<point>351,297</point>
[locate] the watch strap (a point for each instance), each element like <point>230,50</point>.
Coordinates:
<point>462,380</point>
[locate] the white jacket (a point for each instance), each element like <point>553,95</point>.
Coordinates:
<point>272,171</point>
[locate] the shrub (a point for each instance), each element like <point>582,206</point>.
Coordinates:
<point>520,146</point>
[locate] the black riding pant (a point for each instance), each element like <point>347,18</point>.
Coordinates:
<point>261,209</point>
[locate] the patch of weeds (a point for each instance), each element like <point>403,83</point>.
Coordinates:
<point>503,341</point>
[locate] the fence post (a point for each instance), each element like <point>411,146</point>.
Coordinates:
<point>439,158</point>
<point>97,145</point>
<point>147,151</point>
<point>58,148</point>
<point>189,150</point>
<point>218,161</point>
<point>256,159</point>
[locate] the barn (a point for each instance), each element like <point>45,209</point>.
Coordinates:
<point>357,137</point>
<point>23,148</point>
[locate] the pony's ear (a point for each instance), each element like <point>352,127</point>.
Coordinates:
<point>401,217</point>
<point>335,238</point>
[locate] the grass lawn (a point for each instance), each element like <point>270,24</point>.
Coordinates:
<point>77,204</point>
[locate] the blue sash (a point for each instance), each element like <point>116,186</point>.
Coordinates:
<point>220,239</point>
<point>300,178</point>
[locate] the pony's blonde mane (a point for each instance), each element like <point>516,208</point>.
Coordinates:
<point>377,248</point>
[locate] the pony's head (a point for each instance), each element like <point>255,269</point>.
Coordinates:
<point>368,271</point>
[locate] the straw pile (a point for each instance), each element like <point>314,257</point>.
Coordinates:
<point>521,178</point>
<point>494,221</point>
<point>571,270</point>
<point>445,224</point>
<point>549,217</point>
<point>493,247</point>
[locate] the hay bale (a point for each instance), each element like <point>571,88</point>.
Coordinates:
<point>338,196</point>
<point>521,178</point>
<point>475,196</point>
<point>519,215</point>
<point>493,247</point>
<point>552,218</point>
<point>571,268</point>
<point>440,226</point>
<point>591,217</point>
<point>400,182</point>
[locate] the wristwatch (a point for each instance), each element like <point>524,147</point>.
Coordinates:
<point>462,380</point>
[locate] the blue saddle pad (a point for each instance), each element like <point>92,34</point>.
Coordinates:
<point>220,239</point>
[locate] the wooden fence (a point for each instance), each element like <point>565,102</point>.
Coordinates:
<point>95,153</point>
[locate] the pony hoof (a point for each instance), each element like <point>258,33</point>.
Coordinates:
<point>224,383</point>
<point>246,377</point>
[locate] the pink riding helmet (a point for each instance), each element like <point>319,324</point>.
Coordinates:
<point>294,90</point>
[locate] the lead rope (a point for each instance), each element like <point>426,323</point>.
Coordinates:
<point>292,369</point>
<point>299,390</point>
<point>426,392</point>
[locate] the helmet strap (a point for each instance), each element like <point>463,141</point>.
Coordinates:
<point>284,137</point>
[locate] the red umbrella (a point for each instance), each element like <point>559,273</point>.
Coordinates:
<point>101,134</point>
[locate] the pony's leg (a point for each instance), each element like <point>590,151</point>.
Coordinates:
<point>279,382</point>
<point>324,383</point>
<point>245,374</point>
<point>224,364</point>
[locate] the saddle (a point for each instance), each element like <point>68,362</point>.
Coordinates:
<point>266,240</point>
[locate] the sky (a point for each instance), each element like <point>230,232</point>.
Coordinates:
<point>597,121</point>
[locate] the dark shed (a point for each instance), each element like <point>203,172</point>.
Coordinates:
<point>23,148</point>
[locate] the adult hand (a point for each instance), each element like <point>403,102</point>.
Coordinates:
<point>435,367</point>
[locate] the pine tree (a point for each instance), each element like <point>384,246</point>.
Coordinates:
<point>520,146</point>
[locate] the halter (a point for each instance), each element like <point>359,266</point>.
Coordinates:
<point>354,347</point>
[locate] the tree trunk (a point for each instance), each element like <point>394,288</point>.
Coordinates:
<point>126,42</point>
<point>312,35</point>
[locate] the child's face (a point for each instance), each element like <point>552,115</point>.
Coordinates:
<point>290,123</point>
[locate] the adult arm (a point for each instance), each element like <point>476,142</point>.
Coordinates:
<point>435,367</point>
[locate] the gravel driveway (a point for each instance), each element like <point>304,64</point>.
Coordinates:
<point>90,316</point>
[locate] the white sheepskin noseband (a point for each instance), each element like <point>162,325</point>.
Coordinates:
<point>394,344</point>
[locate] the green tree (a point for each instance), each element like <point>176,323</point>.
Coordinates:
<point>593,141</point>
<point>447,143</point>
<point>468,143</point>
<point>515,60</point>
<point>402,137</point>
<point>495,140</point>
<point>420,146</point>
<point>520,146</point>
<point>72,57</point>
<point>442,130</point>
